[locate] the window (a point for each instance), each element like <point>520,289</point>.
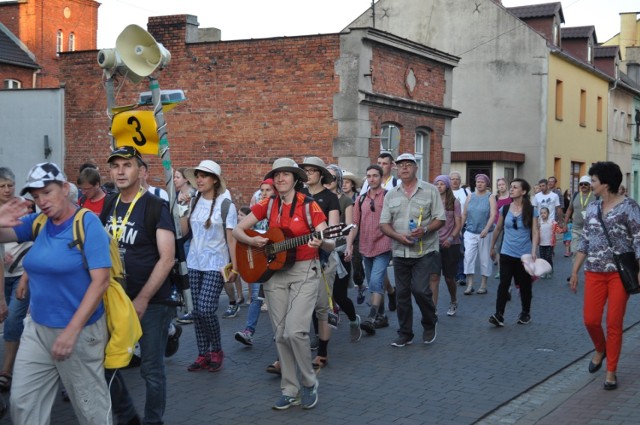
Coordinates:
<point>559,99</point>
<point>59,41</point>
<point>599,113</point>
<point>72,42</point>
<point>422,149</point>
<point>390,139</point>
<point>637,126</point>
<point>583,108</point>
<point>12,84</point>
<point>556,34</point>
<point>576,172</point>
<point>590,53</point>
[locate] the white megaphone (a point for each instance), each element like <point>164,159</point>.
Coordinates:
<point>136,56</point>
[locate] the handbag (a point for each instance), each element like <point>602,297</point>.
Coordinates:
<point>626,263</point>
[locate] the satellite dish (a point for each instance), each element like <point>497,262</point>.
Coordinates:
<point>136,56</point>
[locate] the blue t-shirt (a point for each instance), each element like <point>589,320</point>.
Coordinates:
<point>140,249</point>
<point>516,242</point>
<point>58,278</point>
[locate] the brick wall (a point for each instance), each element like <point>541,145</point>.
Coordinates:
<point>24,75</point>
<point>36,23</point>
<point>249,102</point>
<point>389,71</point>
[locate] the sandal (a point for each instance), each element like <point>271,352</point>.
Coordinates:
<point>319,362</point>
<point>482,291</point>
<point>469,290</point>
<point>5,381</point>
<point>274,368</point>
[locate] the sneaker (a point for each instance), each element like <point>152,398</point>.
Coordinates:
<point>216,361</point>
<point>497,275</point>
<point>285,402</point>
<point>462,282</point>
<point>314,342</point>
<point>392,301</point>
<point>497,320</point>
<point>401,341</point>
<point>368,326</point>
<point>185,319</point>
<point>524,318</point>
<point>201,363</point>
<point>361,291</point>
<point>245,337</point>
<point>356,332</point>
<point>232,311</point>
<point>310,396</point>
<point>381,321</point>
<point>453,309</point>
<point>173,342</point>
<point>429,335</point>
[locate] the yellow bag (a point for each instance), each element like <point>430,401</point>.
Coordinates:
<point>122,320</point>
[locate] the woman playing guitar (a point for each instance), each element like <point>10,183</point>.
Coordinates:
<point>291,294</point>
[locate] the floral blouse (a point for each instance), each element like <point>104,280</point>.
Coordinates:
<point>623,226</point>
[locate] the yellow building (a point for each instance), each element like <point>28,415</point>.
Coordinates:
<point>577,117</point>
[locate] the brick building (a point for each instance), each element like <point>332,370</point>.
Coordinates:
<point>251,101</point>
<point>48,28</point>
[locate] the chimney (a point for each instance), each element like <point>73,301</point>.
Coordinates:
<point>629,36</point>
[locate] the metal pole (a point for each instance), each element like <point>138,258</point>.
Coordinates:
<point>163,153</point>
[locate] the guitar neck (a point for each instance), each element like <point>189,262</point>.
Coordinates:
<point>293,242</point>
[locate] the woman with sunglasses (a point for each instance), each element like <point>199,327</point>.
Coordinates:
<point>520,224</point>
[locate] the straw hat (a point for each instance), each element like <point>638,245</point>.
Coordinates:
<point>206,166</point>
<point>289,165</point>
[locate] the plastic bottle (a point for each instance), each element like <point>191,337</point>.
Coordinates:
<point>413,226</point>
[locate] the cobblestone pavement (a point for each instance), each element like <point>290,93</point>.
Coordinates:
<point>473,373</point>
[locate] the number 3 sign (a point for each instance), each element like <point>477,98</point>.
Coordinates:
<point>137,129</point>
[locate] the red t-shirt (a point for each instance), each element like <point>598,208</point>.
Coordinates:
<point>296,225</point>
<point>96,206</point>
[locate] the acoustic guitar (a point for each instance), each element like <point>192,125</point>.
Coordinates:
<point>259,264</point>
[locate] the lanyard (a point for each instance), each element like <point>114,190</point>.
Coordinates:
<point>585,201</point>
<point>118,231</point>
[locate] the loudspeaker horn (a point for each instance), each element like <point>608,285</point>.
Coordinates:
<point>140,53</point>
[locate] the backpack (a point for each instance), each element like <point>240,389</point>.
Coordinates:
<point>307,210</point>
<point>362,197</point>
<point>122,320</point>
<point>505,211</point>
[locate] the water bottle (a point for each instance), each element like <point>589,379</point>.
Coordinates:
<point>413,226</point>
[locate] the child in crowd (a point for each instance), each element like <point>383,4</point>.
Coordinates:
<point>566,239</point>
<point>547,229</point>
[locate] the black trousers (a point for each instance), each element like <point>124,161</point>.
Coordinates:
<point>512,268</point>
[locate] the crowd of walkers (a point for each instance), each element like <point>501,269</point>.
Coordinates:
<point>340,231</point>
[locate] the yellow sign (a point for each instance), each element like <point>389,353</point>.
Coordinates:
<point>137,129</point>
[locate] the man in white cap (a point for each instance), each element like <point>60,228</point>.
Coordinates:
<point>412,214</point>
<point>577,211</point>
<point>147,259</point>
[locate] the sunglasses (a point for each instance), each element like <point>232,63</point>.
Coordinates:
<point>584,184</point>
<point>372,205</point>
<point>514,222</point>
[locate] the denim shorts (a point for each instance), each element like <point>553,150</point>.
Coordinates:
<point>14,324</point>
<point>375,268</point>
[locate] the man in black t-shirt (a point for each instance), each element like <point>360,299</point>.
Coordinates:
<point>317,176</point>
<point>147,259</point>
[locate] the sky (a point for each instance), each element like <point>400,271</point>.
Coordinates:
<point>243,19</point>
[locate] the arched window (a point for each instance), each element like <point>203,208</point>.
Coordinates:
<point>422,149</point>
<point>390,139</point>
<point>10,83</point>
<point>72,42</point>
<point>59,41</point>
